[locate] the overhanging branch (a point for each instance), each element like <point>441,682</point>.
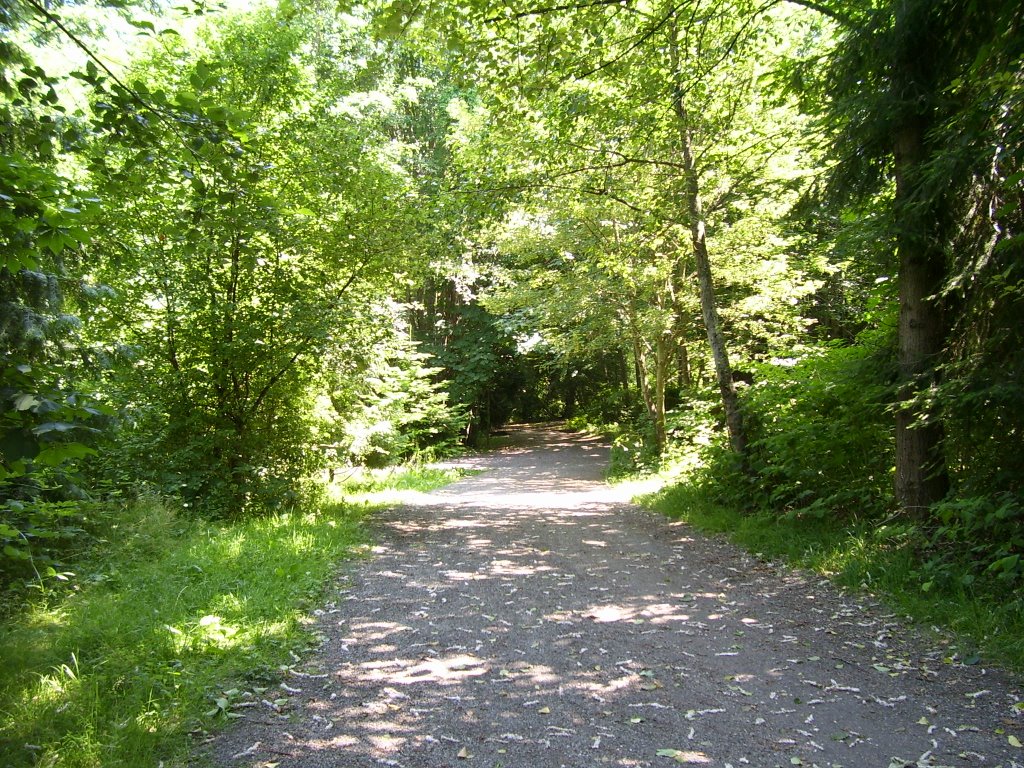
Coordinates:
<point>544,10</point>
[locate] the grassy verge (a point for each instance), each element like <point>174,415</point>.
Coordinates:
<point>358,481</point>
<point>878,558</point>
<point>166,621</point>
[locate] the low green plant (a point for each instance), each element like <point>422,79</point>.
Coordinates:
<point>158,623</point>
<point>633,451</point>
<point>359,480</point>
<point>820,432</point>
<point>977,538</point>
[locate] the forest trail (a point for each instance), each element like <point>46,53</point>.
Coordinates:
<point>527,617</point>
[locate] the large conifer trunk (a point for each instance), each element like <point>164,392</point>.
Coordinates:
<point>921,476</point>
<point>921,238</point>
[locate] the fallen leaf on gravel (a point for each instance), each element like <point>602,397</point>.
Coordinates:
<point>464,754</point>
<point>247,752</point>
<point>1014,741</point>
<point>682,756</point>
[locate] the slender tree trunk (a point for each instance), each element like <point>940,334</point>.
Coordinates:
<point>698,237</point>
<point>677,286</point>
<point>921,474</point>
<point>662,362</point>
<point>652,391</point>
<point>683,368</point>
<point>623,370</point>
<point>716,340</point>
<point>170,318</point>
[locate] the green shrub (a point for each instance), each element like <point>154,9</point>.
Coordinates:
<point>820,432</point>
<point>977,538</point>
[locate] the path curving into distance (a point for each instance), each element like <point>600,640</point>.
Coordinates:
<point>530,617</point>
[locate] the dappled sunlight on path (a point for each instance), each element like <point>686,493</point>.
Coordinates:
<point>529,616</point>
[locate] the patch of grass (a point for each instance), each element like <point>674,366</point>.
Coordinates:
<point>165,618</point>
<point>360,482</point>
<point>880,558</point>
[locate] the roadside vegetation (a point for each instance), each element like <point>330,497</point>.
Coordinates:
<point>820,498</point>
<point>980,618</point>
<point>149,643</point>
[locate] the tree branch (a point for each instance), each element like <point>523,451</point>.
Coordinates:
<point>169,118</point>
<point>641,39</point>
<point>553,9</point>
<point>840,18</point>
<point>595,191</point>
<point>43,11</point>
<point>304,344</point>
<point>624,158</point>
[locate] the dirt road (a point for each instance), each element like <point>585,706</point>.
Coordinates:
<point>528,618</point>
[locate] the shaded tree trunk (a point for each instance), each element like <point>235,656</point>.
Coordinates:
<point>651,375</point>
<point>921,475</point>
<point>922,221</point>
<point>683,368</point>
<point>622,365</point>
<point>662,362</point>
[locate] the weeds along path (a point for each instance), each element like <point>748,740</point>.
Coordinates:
<point>526,617</point>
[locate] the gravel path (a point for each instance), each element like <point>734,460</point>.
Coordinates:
<point>528,618</point>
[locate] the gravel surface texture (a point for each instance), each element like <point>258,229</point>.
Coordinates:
<point>530,617</point>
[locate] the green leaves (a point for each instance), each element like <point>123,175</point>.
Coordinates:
<point>251,220</point>
<point>41,215</point>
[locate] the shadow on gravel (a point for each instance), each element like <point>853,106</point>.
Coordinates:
<point>530,617</point>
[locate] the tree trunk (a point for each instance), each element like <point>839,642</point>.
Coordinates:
<point>698,237</point>
<point>683,368</point>
<point>622,366</point>
<point>662,362</point>
<point>922,229</point>
<point>921,475</point>
<point>709,311</point>
<point>652,392</point>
